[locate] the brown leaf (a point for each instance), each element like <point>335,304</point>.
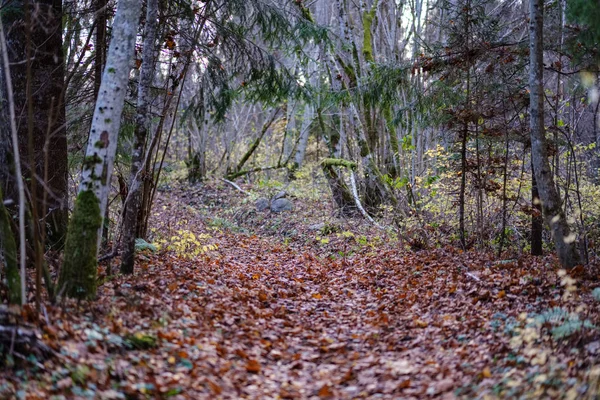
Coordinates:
<point>216,389</point>
<point>325,392</point>
<point>253,366</point>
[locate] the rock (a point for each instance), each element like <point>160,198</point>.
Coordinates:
<point>262,204</point>
<point>317,227</point>
<point>280,195</point>
<point>280,205</point>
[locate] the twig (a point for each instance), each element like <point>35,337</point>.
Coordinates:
<point>108,256</point>
<point>235,186</point>
<point>470,275</point>
<point>357,201</point>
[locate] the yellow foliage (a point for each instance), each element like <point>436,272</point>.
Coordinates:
<point>186,244</point>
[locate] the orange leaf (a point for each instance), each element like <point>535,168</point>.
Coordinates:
<point>216,389</point>
<point>316,296</point>
<point>253,366</point>
<point>325,392</point>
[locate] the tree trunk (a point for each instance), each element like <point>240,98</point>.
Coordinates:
<point>564,239</point>
<point>100,48</point>
<point>341,193</point>
<point>537,221</point>
<point>48,122</point>
<point>307,120</point>
<point>78,274</point>
<point>17,164</point>
<point>142,119</point>
<point>8,255</point>
<point>232,174</point>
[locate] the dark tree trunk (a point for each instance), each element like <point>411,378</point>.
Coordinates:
<point>47,99</point>
<point>564,239</point>
<point>100,48</point>
<point>537,221</point>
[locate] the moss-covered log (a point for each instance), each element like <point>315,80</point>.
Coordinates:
<point>338,162</point>
<point>8,250</point>
<point>79,271</point>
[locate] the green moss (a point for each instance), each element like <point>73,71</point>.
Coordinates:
<point>338,162</point>
<point>8,247</point>
<point>90,161</point>
<point>79,271</point>
<point>367,18</point>
<point>141,341</point>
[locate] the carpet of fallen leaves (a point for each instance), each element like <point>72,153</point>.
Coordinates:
<point>268,317</point>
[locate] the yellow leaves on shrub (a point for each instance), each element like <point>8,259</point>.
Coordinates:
<point>186,244</point>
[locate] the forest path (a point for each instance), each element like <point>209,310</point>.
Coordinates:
<point>262,318</point>
<point>267,318</point>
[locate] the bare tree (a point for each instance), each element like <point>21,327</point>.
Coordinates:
<point>554,215</point>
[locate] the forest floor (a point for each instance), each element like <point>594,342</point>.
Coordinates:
<point>273,306</point>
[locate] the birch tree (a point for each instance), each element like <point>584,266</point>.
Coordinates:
<point>132,206</point>
<point>78,273</point>
<point>564,239</point>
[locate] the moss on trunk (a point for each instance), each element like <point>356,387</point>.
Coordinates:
<point>338,162</point>
<point>8,248</point>
<point>78,273</point>
<point>368,17</point>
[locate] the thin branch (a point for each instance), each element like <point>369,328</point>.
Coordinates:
<point>235,186</point>
<point>17,160</point>
<point>357,201</point>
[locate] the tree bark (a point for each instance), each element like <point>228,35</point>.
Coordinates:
<point>307,120</point>
<point>78,274</point>
<point>132,204</point>
<point>100,48</point>
<point>537,221</point>
<point>564,239</point>
<point>48,123</point>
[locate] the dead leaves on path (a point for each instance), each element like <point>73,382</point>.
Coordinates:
<point>259,319</point>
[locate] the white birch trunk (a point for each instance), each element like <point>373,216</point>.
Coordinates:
<point>304,134</point>
<point>102,144</point>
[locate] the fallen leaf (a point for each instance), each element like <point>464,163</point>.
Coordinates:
<point>253,366</point>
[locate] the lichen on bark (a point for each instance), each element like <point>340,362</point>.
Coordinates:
<point>79,271</point>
